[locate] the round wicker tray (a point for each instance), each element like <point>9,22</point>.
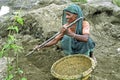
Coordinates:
<point>73,67</point>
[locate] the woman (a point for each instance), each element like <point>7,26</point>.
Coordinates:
<point>75,39</point>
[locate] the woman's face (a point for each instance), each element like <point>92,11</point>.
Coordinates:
<point>70,17</point>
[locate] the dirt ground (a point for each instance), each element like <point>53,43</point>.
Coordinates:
<point>105,31</point>
<point>37,66</point>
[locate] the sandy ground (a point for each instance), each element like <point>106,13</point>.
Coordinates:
<point>37,66</point>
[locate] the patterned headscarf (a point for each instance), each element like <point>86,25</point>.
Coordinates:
<point>75,9</point>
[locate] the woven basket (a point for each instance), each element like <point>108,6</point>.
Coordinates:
<point>73,67</point>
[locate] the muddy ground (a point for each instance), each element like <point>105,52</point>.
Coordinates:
<point>37,66</point>
<point>105,31</point>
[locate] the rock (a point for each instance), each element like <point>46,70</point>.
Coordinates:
<point>43,18</point>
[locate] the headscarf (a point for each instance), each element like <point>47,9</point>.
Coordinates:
<point>75,9</point>
<point>69,44</point>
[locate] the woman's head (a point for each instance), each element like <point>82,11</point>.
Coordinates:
<point>71,13</point>
<point>70,17</point>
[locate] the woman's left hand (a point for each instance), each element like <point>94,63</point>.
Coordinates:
<point>70,33</point>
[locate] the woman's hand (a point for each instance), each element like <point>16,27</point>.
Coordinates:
<point>63,29</point>
<point>70,33</point>
<point>67,31</point>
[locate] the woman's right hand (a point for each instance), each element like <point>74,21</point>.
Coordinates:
<point>63,29</point>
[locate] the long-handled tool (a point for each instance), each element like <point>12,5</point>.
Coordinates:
<point>43,44</point>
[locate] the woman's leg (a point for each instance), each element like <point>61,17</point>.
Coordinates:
<point>92,56</point>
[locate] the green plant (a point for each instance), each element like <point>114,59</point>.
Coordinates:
<point>116,2</point>
<point>81,1</point>
<point>11,45</point>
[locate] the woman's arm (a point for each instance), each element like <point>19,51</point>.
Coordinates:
<point>58,37</point>
<point>54,41</point>
<point>85,33</point>
<point>82,38</point>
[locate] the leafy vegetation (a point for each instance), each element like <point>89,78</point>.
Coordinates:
<point>13,71</point>
<point>117,2</point>
<point>81,1</point>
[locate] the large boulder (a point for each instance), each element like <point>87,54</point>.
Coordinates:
<point>28,4</point>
